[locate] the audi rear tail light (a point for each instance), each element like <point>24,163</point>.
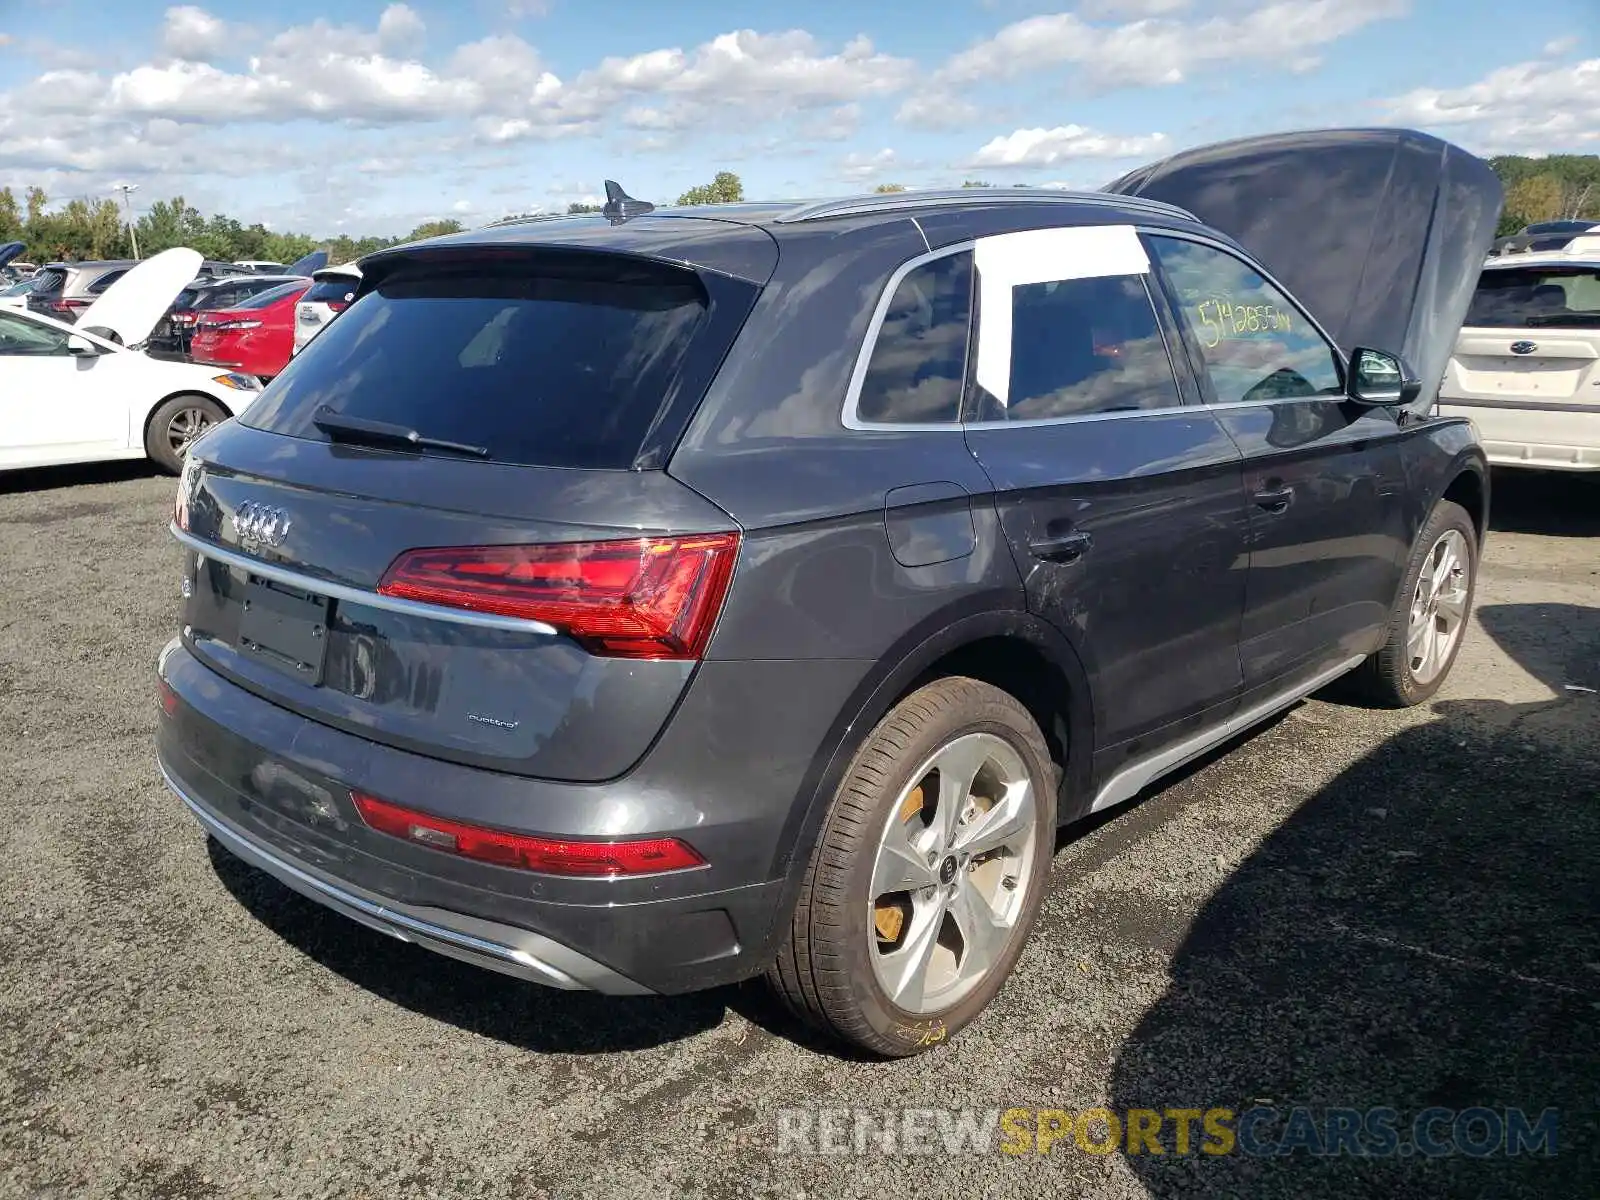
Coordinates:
<point>548,856</point>
<point>654,597</point>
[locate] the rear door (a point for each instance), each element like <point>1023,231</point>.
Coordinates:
<point>1122,504</point>
<point>1323,477</point>
<point>483,596</point>
<point>1527,366</point>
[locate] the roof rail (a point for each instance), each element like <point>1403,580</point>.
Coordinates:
<point>886,202</point>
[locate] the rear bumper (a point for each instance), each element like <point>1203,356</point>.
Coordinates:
<point>488,944</point>
<point>1552,436</point>
<point>274,788</point>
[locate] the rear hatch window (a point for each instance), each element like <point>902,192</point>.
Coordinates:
<point>340,290</point>
<point>49,281</point>
<point>560,359</point>
<point>1531,297</point>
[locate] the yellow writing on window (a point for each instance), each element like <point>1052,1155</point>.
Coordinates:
<point>1221,318</point>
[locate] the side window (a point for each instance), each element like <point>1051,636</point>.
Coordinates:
<point>1256,344</point>
<point>1080,347</point>
<point>919,361</point>
<point>105,281</point>
<point>20,336</point>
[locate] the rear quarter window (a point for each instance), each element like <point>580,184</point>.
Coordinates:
<point>919,359</point>
<point>565,364</point>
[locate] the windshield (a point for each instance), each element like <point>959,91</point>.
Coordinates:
<point>1520,297</point>
<point>19,289</point>
<point>562,363</point>
<point>272,295</point>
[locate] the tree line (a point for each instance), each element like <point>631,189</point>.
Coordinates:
<point>1537,189</point>
<point>86,230</point>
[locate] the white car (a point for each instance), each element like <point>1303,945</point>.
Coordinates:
<point>86,392</point>
<point>332,289</point>
<point>1526,369</point>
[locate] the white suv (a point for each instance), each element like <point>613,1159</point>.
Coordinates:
<point>331,291</point>
<point>1527,364</point>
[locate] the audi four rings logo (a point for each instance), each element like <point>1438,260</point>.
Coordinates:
<point>1523,347</point>
<point>257,522</point>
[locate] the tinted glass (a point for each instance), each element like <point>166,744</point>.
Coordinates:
<point>1083,346</point>
<point>49,281</point>
<point>565,367</point>
<point>920,358</point>
<point>19,336</point>
<point>338,290</point>
<point>272,295</point>
<point>1519,297</point>
<point>1256,344</point>
<point>106,280</point>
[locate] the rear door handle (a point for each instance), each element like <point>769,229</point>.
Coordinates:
<point>1275,500</point>
<point>1068,548</point>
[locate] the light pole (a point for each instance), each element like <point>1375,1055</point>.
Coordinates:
<point>127,190</point>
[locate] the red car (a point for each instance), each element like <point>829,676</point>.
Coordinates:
<point>255,336</point>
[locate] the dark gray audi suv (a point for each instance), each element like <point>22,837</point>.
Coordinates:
<point>647,601</point>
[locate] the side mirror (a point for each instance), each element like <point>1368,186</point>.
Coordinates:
<point>1381,380</point>
<point>82,347</point>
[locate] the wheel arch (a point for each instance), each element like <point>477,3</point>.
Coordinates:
<point>1011,649</point>
<point>177,394</point>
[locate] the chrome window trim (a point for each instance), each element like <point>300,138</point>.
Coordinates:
<point>853,421</point>
<point>869,344</point>
<point>353,595</point>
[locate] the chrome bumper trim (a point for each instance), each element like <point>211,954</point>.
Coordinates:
<point>576,973</point>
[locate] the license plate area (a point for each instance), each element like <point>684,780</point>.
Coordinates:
<point>285,628</point>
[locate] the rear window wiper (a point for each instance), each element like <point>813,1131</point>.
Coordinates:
<point>363,431</point>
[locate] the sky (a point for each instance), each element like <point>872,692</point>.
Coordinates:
<point>358,117</point>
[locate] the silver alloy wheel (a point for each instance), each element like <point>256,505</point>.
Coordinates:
<point>1438,607</point>
<point>952,870</point>
<point>186,425</point>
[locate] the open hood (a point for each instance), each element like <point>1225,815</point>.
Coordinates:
<point>131,306</point>
<point>1381,233</point>
<point>9,251</point>
<point>314,261</point>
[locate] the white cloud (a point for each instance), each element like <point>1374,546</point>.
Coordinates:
<point>1525,108</point>
<point>192,33</point>
<point>835,125</point>
<point>1163,51</point>
<point>1560,46</point>
<point>1100,9</point>
<point>400,29</point>
<point>1047,147</point>
<point>936,110</point>
<point>859,167</point>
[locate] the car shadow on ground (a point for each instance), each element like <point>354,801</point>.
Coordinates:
<point>1557,503</point>
<point>1420,933</point>
<point>44,479</point>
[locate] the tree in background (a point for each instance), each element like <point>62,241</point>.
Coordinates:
<point>975,183</point>
<point>574,209</point>
<point>1559,187</point>
<point>726,188</point>
<point>890,187</point>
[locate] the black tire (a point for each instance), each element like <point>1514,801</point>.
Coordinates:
<point>160,433</point>
<point>823,973</point>
<point>1387,680</point>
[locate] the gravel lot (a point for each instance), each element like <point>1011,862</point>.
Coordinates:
<point>1350,908</point>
